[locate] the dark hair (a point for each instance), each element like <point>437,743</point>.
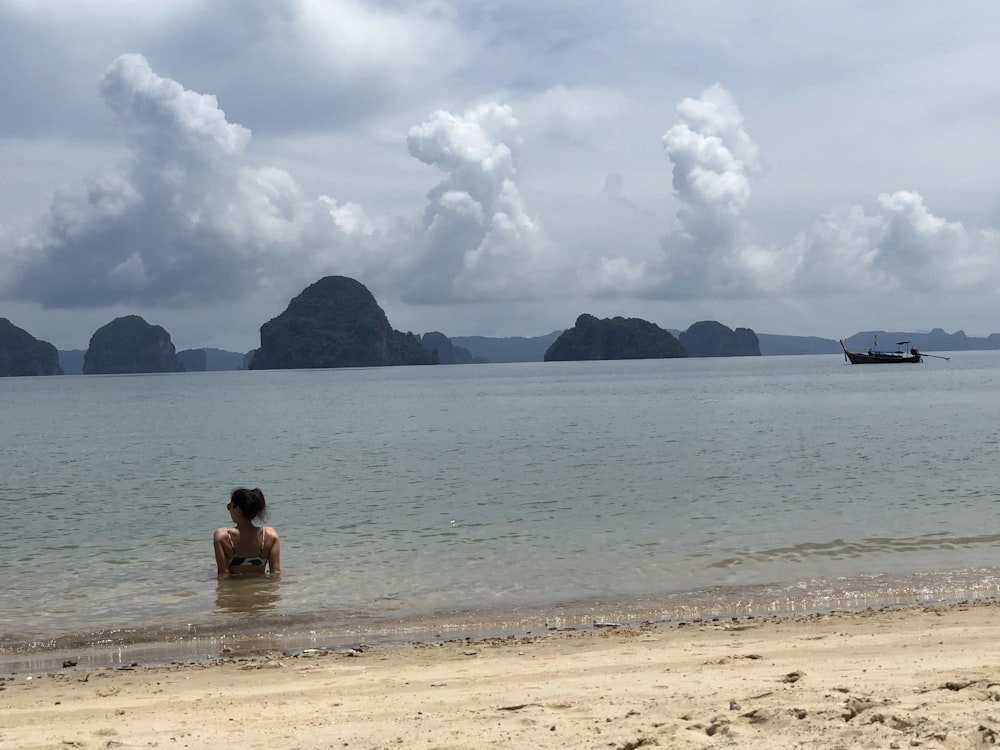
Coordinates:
<point>250,502</point>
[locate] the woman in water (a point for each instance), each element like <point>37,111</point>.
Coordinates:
<point>247,548</point>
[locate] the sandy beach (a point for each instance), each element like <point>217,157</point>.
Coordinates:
<point>889,678</point>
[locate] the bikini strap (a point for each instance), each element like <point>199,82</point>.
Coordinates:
<point>263,534</point>
<point>231,542</point>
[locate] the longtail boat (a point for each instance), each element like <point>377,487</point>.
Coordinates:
<point>876,357</point>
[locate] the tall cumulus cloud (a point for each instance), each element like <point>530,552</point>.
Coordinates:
<point>712,251</point>
<point>185,220</point>
<point>477,237</point>
<point>165,226</point>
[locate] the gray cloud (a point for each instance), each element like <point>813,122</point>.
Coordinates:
<point>713,252</point>
<point>185,220</point>
<point>285,65</point>
<point>714,165</point>
<point>900,246</point>
<point>165,119</point>
<point>294,66</point>
<point>181,221</point>
<point>876,176</point>
<point>478,239</point>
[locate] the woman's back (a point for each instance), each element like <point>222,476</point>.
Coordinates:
<point>247,548</point>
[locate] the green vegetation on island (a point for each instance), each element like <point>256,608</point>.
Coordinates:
<point>21,354</point>
<point>130,345</point>
<point>709,338</point>
<point>335,322</point>
<point>614,338</point>
<point>448,352</point>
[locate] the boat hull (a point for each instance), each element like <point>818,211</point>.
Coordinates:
<point>880,358</point>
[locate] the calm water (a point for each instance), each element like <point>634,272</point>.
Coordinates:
<point>491,497</point>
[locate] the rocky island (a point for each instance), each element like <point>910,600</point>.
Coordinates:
<point>21,354</point>
<point>614,338</point>
<point>130,345</point>
<point>335,322</point>
<point>709,338</point>
<point>449,353</point>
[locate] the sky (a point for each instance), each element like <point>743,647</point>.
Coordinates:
<point>499,168</point>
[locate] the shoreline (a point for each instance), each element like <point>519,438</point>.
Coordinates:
<point>256,605</point>
<point>888,677</point>
<point>158,645</point>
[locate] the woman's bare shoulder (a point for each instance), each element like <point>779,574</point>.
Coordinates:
<point>221,533</point>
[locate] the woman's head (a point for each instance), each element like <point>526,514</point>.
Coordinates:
<point>250,502</point>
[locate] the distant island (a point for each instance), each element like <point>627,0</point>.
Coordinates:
<point>613,338</point>
<point>130,345</point>
<point>21,354</point>
<point>935,340</point>
<point>335,322</point>
<point>775,345</point>
<point>510,349</point>
<point>194,360</point>
<point>448,352</point>
<point>71,361</point>
<point>533,348</point>
<point>709,338</point>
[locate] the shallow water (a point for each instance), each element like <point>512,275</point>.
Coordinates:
<point>489,497</point>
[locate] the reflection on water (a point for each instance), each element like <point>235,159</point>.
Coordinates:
<point>247,594</point>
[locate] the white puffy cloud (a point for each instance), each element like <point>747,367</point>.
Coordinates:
<point>614,277</point>
<point>160,109</point>
<point>161,198</point>
<point>478,239</point>
<point>714,165</point>
<point>714,158</point>
<point>183,220</point>
<point>194,216</point>
<point>706,252</point>
<point>712,251</point>
<point>899,246</point>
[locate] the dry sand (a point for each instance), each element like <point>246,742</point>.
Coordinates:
<point>896,678</point>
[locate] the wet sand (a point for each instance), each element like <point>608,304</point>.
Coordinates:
<point>891,678</point>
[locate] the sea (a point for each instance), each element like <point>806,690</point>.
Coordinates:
<point>422,503</point>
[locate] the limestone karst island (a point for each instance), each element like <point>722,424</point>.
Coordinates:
<point>337,322</point>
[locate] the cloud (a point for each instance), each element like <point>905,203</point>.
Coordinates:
<point>715,163</point>
<point>181,221</point>
<point>712,251</point>
<point>180,123</point>
<point>478,240</point>
<point>714,166</point>
<point>306,66</point>
<point>900,246</point>
<point>284,65</point>
<point>185,220</point>
<point>574,112</point>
